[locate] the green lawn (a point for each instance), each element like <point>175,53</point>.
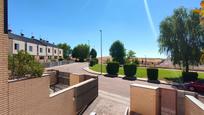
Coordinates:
<point>164,74</point>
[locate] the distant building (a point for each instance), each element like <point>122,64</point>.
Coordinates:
<point>42,50</point>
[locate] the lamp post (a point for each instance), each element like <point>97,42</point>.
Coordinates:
<point>101,36</point>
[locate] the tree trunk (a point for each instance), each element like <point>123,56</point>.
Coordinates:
<point>187,67</point>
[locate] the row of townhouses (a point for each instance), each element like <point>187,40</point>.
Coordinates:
<point>42,50</point>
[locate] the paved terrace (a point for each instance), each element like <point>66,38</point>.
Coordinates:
<point>114,93</point>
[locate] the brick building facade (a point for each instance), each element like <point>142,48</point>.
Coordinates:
<point>3,58</point>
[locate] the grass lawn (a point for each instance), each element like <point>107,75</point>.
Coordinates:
<point>164,74</point>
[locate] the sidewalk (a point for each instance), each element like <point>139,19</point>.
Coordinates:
<point>108,104</point>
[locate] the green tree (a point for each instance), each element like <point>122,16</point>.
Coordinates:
<point>93,53</point>
<point>66,49</point>
<point>23,64</point>
<point>117,51</point>
<point>181,38</point>
<point>81,52</point>
<point>131,54</point>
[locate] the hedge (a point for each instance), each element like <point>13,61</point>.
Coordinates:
<point>130,70</point>
<point>93,62</point>
<point>152,74</point>
<point>112,68</point>
<point>189,76</point>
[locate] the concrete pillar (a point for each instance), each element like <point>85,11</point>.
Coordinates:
<point>144,100</point>
<point>3,59</point>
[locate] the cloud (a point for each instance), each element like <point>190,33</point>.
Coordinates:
<point>150,18</point>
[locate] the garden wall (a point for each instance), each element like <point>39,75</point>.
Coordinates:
<point>148,100</point>
<point>144,100</point>
<point>32,97</point>
<point>3,58</point>
<point>193,106</point>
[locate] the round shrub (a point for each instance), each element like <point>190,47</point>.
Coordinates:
<point>189,76</point>
<point>130,70</point>
<point>93,62</point>
<point>112,68</point>
<point>152,74</point>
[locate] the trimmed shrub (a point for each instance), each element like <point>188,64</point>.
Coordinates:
<point>189,76</point>
<point>93,62</point>
<point>112,68</point>
<point>130,70</point>
<point>152,74</point>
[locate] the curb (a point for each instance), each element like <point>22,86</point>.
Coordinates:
<point>121,76</point>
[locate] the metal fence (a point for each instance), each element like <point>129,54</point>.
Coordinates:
<point>59,63</point>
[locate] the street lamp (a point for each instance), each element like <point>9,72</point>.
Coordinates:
<point>101,36</point>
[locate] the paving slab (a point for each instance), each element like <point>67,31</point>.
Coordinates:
<point>108,104</point>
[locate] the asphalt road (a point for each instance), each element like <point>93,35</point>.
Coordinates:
<point>116,85</point>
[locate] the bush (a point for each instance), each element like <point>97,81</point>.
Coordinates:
<point>130,70</point>
<point>136,61</point>
<point>189,76</point>
<point>112,68</point>
<point>93,62</point>
<point>37,69</point>
<point>24,65</point>
<point>152,74</point>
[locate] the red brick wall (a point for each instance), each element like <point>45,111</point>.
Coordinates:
<point>3,64</point>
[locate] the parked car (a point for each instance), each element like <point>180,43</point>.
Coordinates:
<point>197,86</point>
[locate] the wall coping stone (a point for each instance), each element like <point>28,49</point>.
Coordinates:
<point>196,101</point>
<point>25,78</point>
<point>71,87</point>
<point>144,86</point>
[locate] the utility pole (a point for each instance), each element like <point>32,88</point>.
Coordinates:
<point>101,34</point>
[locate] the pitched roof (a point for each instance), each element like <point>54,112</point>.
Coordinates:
<point>30,40</point>
<point>47,43</point>
<point>21,38</point>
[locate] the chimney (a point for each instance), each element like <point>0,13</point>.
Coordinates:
<point>22,34</point>
<point>41,39</point>
<point>32,37</point>
<point>47,41</point>
<point>9,30</point>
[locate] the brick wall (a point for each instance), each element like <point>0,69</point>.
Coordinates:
<point>193,106</point>
<point>32,97</point>
<point>144,100</point>
<point>3,62</point>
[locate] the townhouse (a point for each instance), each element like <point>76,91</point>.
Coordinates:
<point>42,50</point>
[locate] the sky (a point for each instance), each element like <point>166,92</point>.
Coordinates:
<point>133,22</point>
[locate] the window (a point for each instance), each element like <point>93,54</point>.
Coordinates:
<point>55,51</point>
<point>48,50</point>
<point>16,46</point>
<point>30,48</point>
<point>41,50</point>
<point>41,57</point>
<point>59,52</point>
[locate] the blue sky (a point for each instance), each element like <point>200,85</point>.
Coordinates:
<point>79,21</point>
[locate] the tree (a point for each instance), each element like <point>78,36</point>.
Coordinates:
<point>23,64</point>
<point>66,49</point>
<point>81,52</point>
<point>117,51</point>
<point>131,54</point>
<point>93,53</point>
<point>181,38</point>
